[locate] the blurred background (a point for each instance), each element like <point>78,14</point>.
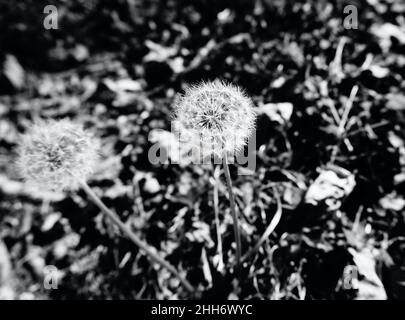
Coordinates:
<point>330,148</point>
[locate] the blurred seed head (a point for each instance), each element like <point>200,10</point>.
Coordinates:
<point>56,154</point>
<point>215,116</point>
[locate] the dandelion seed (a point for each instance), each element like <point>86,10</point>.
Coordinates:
<point>56,155</point>
<point>60,155</point>
<point>216,116</point>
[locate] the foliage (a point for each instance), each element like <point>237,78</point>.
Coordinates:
<point>330,147</point>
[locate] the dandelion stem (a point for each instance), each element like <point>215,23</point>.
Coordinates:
<point>234,214</point>
<point>217,224</point>
<point>149,251</point>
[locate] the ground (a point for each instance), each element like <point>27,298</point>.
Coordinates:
<point>329,177</point>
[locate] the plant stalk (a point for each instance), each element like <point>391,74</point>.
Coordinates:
<point>234,214</point>
<point>217,224</point>
<point>149,251</point>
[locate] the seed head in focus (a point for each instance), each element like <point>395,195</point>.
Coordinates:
<point>56,154</point>
<point>217,116</point>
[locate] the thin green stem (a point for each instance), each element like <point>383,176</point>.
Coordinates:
<point>149,251</point>
<point>234,214</point>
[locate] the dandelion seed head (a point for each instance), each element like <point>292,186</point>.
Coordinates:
<point>56,154</point>
<point>215,115</point>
